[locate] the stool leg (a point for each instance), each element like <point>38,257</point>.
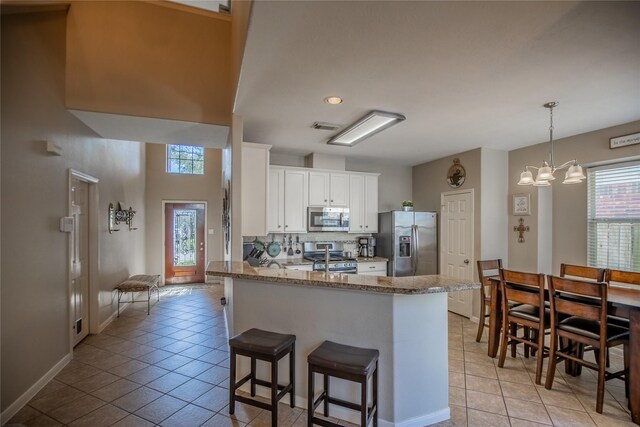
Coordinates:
<point>274,392</point>
<point>292,376</point>
<point>326,395</point>
<point>374,405</point>
<point>310,388</point>
<point>253,376</point>
<point>232,381</point>
<point>363,402</point>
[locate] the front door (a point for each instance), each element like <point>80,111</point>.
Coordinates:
<point>184,243</point>
<point>457,246</point>
<point>80,259</point>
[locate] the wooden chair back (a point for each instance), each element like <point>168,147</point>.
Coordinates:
<point>581,271</point>
<point>620,276</point>
<point>579,298</point>
<point>523,288</point>
<point>486,269</point>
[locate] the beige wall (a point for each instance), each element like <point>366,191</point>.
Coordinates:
<point>430,181</point>
<point>569,202</point>
<point>35,289</point>
<point>162,186</point>
<point>141,59</point>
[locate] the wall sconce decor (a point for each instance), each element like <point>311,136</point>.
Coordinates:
<point>118,215</point>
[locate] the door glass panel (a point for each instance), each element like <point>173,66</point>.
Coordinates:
<point>184,237</point>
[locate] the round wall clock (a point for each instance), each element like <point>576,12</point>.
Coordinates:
<point>456,174</point>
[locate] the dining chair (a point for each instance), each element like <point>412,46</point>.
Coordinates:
<point>624,278</point>
<point>526,289</point>
<point>582,272</point>
<point>585,302</point>
<point>486,269</point>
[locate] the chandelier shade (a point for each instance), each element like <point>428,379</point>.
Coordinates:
<point>545,173</point>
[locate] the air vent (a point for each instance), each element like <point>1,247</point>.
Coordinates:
<point>325,126</point>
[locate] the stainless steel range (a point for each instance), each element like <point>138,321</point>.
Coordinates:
<point>338,263</point>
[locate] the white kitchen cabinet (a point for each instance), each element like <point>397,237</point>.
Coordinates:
<point>363,204</point>
<point>328,189</point>
<point>371,204</point>
<point>377,268</point>
<point>275,210</point>
<point>287,211</point>
<point>255,188</point>
<point>295,201</point>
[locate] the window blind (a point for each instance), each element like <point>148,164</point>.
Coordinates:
<point>613,216</point>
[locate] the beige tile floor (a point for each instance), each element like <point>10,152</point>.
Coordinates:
<point>171,369</point>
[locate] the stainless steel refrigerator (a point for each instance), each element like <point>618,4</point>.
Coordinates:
<point>410,241</point>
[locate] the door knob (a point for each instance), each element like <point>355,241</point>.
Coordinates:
<point>466,261</point>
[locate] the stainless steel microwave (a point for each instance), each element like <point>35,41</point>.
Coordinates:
<point>328,219</point>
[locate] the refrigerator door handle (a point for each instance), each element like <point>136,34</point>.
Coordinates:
<point>416,250</point>
<point>414,247</point>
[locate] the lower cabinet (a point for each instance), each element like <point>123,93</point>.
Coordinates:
<point>378,268</point>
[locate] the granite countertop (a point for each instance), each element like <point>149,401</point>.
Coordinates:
<point>372,259</point>
<point>389,285</point>
<point>290,262</point>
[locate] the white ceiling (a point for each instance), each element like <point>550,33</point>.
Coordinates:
<point>465,74</point>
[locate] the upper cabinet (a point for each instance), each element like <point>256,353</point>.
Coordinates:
<point>363,206</point>
<point>292,190</point>
<point>328,189</point>
<point>255,182</point>
<point>287,202</point>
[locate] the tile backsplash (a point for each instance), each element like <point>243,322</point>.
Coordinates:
<point>349,241</point>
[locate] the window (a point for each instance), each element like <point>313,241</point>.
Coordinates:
<point>185,159</point>
<point>613,219</point>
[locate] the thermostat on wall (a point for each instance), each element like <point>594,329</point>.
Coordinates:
<point>66,224</point>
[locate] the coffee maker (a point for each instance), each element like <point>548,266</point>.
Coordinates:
<point>367,247</point>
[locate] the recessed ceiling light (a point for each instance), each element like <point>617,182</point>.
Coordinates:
<point>333,100</point>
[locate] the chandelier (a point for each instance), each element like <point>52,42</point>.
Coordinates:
<point>545,174</point>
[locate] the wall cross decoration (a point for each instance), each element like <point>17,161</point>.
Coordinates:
<point>520,229</point>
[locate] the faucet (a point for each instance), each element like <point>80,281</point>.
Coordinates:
<point>326,259</point>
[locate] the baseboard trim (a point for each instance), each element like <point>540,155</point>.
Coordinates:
<point>354,417</point>
<point>107,322</point>
<point>19,403</point>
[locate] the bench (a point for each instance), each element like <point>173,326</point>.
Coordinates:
<point>139,283</point>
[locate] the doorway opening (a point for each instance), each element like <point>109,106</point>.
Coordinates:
<point>185,244</point>
<point>83,256</point>
<point>456,245</point>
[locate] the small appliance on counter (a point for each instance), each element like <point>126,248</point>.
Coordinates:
<point>338,263</point>
<point>367,247</point>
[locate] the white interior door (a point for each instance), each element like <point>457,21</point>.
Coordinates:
<point>456,248</point>
<point>80,259</point>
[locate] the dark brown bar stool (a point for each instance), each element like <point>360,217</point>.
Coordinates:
<point>270,347</point>
<point>349,363</point>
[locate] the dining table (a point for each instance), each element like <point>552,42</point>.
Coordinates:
<point>622,300</point>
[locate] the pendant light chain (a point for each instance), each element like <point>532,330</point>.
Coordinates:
<point>551,132</point>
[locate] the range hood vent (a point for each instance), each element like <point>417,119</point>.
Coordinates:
<point>325,126</point>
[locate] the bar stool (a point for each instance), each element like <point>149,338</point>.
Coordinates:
<point>270,347</point>
<point>350,363</point>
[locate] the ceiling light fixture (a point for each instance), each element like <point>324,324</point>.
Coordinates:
<point>367,126</point>
<point>333,100</point>
<point>574,174</point>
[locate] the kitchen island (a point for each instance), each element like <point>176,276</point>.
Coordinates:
<point>405,318</point>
